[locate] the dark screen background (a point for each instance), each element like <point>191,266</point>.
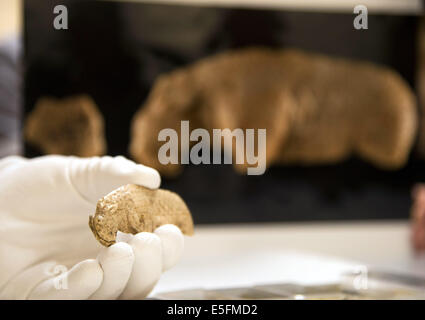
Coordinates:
<point>114,51</point>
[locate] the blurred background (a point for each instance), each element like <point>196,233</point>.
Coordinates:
<point>11,77</point>
<point>113,51</point>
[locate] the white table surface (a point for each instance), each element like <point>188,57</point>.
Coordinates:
<point>241,255</point>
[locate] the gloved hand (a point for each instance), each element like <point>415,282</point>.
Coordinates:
<point>44,208</point>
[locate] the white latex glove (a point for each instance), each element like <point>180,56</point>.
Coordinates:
<point>44,208</point>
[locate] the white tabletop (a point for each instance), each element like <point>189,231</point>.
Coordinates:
<point>241,255</point>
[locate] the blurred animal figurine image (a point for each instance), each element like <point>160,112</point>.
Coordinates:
<point>69,126</point>
<point>316,109</point>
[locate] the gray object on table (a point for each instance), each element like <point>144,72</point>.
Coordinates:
<point>10,97</point>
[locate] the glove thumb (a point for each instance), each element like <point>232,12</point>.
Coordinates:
<point>95,177</point>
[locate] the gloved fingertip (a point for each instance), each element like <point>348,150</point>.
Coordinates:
<point>130,172</point>
<point>172,242</point>
<point>117,263</point>
<point>168,228</point>
<point>123,237</point>
<point>117,251</point>
<point>94,178</point>
<point>144,240</point>
<point>147,177</point>
<point>147,266</point>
